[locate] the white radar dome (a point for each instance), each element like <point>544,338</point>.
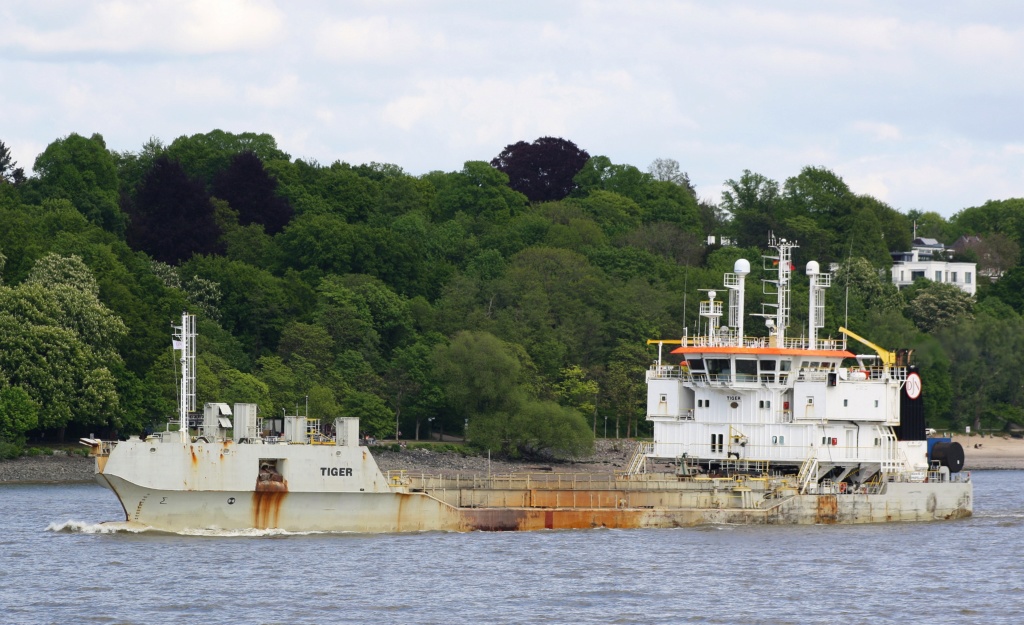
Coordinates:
<point>742,267</point>
<point>812,268</point>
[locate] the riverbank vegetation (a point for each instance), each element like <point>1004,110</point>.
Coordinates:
<point>507,301</point>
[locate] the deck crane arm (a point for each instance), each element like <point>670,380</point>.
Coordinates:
<point>888,358</point>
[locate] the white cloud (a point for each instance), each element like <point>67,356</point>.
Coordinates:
<point>878,131</point>
<point>154,27</point>
<point>283,93</point>
<point>375,40</point>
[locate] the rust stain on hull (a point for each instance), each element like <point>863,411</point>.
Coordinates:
<point>522,519</point>
<point>266,504</point>
<point>828,510</point>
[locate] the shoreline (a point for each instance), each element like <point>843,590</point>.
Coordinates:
<point>983,453</point>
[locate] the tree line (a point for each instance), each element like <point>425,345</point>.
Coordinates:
<point>509,301</point>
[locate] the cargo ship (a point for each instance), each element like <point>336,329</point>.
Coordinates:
<point>755,430</point>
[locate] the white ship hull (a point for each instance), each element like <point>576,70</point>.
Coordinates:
<point>181,487</point>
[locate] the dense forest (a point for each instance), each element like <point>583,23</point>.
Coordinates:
<point>510,300</point>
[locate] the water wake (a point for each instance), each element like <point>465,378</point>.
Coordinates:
<point>129,527</point>
<point>245,533</point>
<point>111,527</point>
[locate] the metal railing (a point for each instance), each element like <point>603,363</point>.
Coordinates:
<point>808,471</point>
<point>638,463</point>
<point>729,339</point>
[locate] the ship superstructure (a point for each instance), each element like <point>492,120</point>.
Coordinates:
<point>782,403</point>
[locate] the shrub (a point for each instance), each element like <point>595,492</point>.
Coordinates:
<point>9,451</point>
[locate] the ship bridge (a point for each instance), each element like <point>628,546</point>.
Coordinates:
<point>775,400</point>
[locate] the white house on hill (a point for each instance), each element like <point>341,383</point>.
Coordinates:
<point>926,259</point>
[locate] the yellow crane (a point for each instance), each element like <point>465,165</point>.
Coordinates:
<point>888,358</point>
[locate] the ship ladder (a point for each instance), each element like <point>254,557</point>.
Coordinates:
<point>808,471</point>
<point>638,463</point>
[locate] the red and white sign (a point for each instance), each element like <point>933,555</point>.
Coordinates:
<point>913,386</point>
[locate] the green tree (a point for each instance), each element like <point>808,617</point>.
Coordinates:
<point>667,170</point>
<point>486,382</point>
<point>671,203</point>
<point>577,391</point>
<point>936,305</point>
<point>624,388</point>
<point>552,301</point>
<point>857,289</point>
<point>544,428</point>
<point>203,155</point>
<point>59,345</point>
<point>373,414</point>
<point>18,414</point>
<point>821,194</point>
<point>600,174</point>
<point>479,373</point>
<point>1000,216</point>
<point>896,228</point>
<point>310,342</point>
<point>755,206</point>
<point>615,213</point>
<point>281,381</point>
<point>985,367</point>
<point>479,192</point>
<point>929,225</point>
<point>323,404</point>
<point>10,173</point>
<point>412,392</point>
<point>864,238</point>
<point>83,171</point>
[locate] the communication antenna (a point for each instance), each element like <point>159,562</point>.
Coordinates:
<point>846,306</point>
<point>782,263</point>
<point>816,309</point>
<point>686,278</point>
<point>184,340</point>
<point>736,282</point>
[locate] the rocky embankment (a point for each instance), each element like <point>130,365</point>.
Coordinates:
<point>609,456</point>
<point>47,469</point>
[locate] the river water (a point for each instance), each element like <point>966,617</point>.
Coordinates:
<point>58,565</point>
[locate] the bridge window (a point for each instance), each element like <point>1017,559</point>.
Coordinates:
<point>746,370</point>
<point>719,368</point>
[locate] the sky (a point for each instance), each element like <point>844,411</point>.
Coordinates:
<point>916,103</point>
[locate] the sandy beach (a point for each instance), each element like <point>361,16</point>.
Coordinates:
<point>982,453</point>
<point>991,452</point>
